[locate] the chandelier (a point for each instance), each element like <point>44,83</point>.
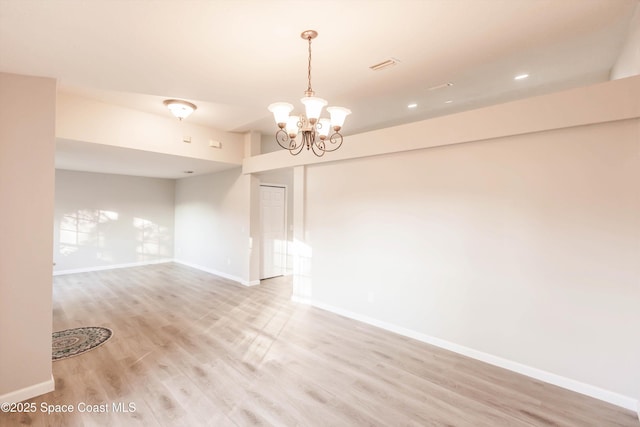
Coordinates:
<point>308,129</point>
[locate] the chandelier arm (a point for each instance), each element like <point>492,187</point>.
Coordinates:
<point>282,138</point>
<point>296,147</point>
<point>335,138</point>
<point>318,148</point>
<point>289,144</point>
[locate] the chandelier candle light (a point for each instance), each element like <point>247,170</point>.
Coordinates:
<point>313,130</point>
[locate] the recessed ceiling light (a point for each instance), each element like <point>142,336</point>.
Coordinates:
<point>521,77</point>
<point>414,105</point>
<point>188,172</point>
<point>448,101</point>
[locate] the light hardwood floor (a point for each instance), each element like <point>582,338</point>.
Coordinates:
<point>192,349</point>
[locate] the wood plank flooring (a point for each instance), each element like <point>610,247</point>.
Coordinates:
<point>192,349</point>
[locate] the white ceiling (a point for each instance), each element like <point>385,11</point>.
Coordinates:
<point>233,58</point>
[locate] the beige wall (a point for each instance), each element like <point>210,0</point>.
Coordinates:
<point>27,121</point>
<point>212,223</point>
<point>526,247</point>
<point>599,103</point>
<point>509,233</point>
<point>628,62</point>
<point>83,119</point>
<point>104,220</point>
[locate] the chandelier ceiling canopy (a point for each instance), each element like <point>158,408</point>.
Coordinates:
<point>309,130</point>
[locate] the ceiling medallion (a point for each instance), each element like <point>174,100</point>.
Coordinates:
<point>313,130</point>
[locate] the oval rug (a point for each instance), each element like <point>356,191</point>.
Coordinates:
<point>72,342</point>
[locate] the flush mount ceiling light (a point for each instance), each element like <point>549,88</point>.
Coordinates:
<point>521,77</point>
<point>180,109</point>
<point>313,130</point>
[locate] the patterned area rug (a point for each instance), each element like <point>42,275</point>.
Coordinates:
<point>72,342</point>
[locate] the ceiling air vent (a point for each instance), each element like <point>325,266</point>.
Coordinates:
<point>441,86</point>
<point>384,64</point>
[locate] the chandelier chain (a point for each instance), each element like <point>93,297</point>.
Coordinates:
<point>309,68</point>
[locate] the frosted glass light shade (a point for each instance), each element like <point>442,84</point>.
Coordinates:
<point>313,106</point>
<point>179,108</point>
<point>292,126</point>
<point>338,115</point>
<point>280,111</point>
<point>325,127</point>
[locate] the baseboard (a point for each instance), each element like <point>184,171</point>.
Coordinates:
<point>160,261</point>
<point>307,301</point>
<point>111,267</point>
<point>219,273</point>
<point>29,392</point>
<point>251,283</point>
<point>539,374</point>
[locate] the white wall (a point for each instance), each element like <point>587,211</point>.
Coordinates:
<point>525,247</point>
<point>384,227</point>
<point>83,119</point>
<point>27,126</point>
<point>212,223</point>
<point>104,220</point>
<point>268,143</point>
<point>628,62</point>
<point>599,103</point>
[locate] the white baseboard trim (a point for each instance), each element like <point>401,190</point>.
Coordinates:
<point>219,273</point>
<point>29,392</point>
<point>160,261</point>
<point>307,301</point>
<point>251,283</point>
<point>539,374</point>
<point>111,267</point>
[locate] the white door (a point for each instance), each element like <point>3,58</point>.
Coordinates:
<point>274,236</point>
